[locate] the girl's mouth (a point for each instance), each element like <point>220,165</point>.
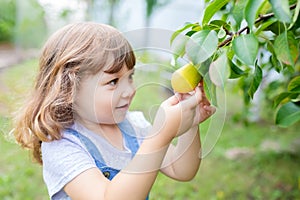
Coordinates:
<point>123,107</point>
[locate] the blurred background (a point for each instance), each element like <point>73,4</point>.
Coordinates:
<point>245,155</point>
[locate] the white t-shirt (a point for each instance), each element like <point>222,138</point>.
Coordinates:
<point>66,158</point>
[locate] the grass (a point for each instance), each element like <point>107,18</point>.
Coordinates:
<point>265,174</point>
<point>19,177</point>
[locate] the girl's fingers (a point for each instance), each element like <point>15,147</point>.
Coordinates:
<point>182,96</point>
<point>198,94</point>
<point>173,100</point>
<point>194,99</point>
<point>209,110</point>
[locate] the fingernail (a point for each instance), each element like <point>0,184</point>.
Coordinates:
<point>192,92</point>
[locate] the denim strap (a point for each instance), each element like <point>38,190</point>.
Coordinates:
<point>92,149</point>
<point>129,136</point>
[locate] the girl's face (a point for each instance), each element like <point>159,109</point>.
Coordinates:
<point>105,98</point>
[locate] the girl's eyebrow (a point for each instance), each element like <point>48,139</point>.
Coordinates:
<point>108,77</point>
<point>117,74</point>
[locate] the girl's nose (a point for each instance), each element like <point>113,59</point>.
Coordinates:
<point>128,91</point>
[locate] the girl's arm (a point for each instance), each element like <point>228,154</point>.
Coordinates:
<point>183,160</point>
<point>135,182</point>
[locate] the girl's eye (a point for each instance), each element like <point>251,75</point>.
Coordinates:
<point>131,76</point>
<point>113,82</point>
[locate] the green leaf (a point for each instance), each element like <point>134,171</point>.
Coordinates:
<point>201,46</point>
<point>251,11</point>
<point>176,33</point>
<point>256,80</point>
<point>294,84</point>
<point>196,27</point>
<point>204,67</point>
<point>283,97</point>
<point>244,83</point>
<point>221,33</point>
<point>281,10</point>
<point>246,48</point>
<point>190,33</point>
<point>276,64</point>
<point>277,28</point>
<point>210,90</point>
<point>265,7</point>
<point>293,46</point>
<point>281,48</point>
<point>218,71</point>
<point>178,46</point>
<point>265,25</point>
<point>296,14</point>
<point>238,11</point>
<point>235,71</point>
<point>288,114</point>
<point>211,9</point>
<point>218,24</point>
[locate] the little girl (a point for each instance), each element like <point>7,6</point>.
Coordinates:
<point>78,126</point>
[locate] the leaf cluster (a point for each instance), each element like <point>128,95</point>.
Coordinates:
<point>246,40</point>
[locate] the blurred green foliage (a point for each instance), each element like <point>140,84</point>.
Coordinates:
<point>22,23</point>
<point>31,27</point>
<point>7,20</point>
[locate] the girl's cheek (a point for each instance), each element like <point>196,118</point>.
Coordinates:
<point>133,95</point>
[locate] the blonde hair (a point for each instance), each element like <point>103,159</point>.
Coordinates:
<point>70,54</point>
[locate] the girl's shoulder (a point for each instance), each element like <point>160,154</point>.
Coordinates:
<point>67,140</point>
<point>63,160</point>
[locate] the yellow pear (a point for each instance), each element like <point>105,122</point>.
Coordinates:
<point>185,79</point>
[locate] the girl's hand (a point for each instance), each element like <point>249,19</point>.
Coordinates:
<point>177,115</point>
<point>204,109</point>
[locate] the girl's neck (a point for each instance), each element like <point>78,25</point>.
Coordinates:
<point>112,134</point>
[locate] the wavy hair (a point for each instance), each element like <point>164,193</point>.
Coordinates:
<point>70,54</point>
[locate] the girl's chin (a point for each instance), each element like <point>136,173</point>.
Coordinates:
<point>119,117</point>
<point>115,118</point>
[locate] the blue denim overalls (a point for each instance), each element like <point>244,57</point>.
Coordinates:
<point>131,142</point>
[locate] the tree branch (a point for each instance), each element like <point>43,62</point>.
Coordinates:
<point>259,19</point>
